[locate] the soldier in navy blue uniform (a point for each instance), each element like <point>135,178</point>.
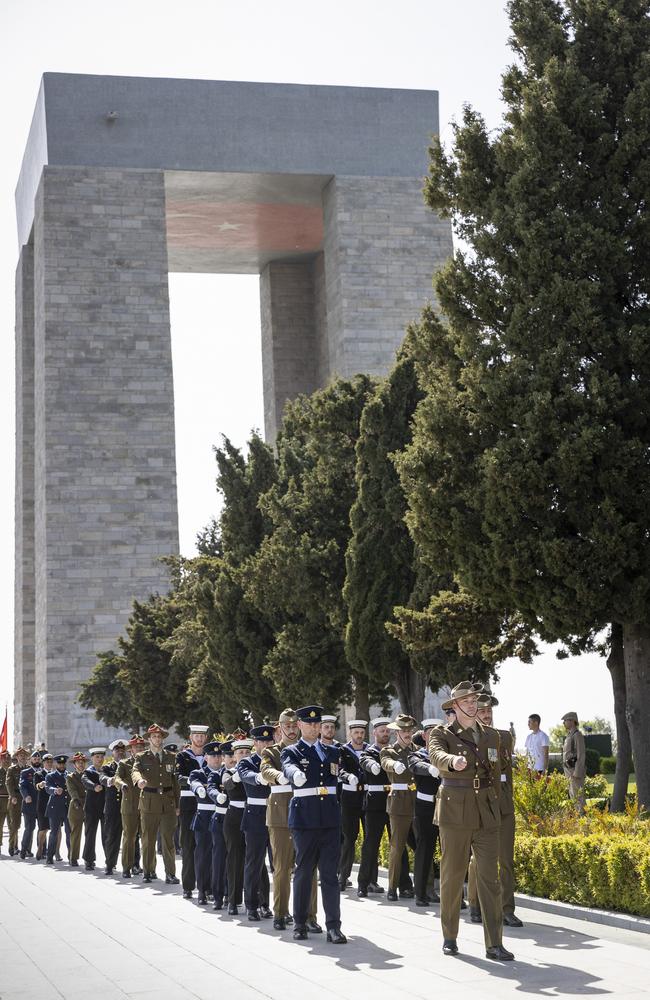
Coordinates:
<point>57,805</point>
<point>256,834</point>
<point>351,796</point>
<point>427,783</point>
<point>187,760</point>
<point>218,796</point>
<point>43,823</point>
<point>93,805</point>
<point>30,776</point>
<point>232,831</point>
<point>112,829</point>
<point>315,822</point>
<point>201,820</point>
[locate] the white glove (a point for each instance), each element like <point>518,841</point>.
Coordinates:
<point>433,771</point>
<point>299,779</point>
<point>375,768</point>
<point>399,767</point>
<point>221,798</point>
<point>283,780</point>
<point>201,792</point>
<point>260,779</point>
<point>353,780</point>
<point>236,776</point>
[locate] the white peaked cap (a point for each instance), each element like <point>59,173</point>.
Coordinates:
<point>381,721</point>
<point>97,750</point>
<point>118,743</point>
<point>328,718</point>
<point>430,723</point>
<point>198,729</point>
<point>361,723</point>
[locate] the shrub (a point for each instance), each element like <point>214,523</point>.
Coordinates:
<point>607,765</point>
<point>592,761</point>
<point>596,787</point>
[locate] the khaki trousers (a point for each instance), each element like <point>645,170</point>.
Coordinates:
<point>455,846</point>
<point>76,821</point>
<point>13,822</point>
<point>577,793</point>
<point>4,808</point>
<point>130,827</point>
<point>283,858</point>
<point>150,823</point>
<point>400,827</point>
<point>506,867</point>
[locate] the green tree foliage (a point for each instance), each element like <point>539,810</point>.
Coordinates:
<point>528,475</point>
<point>296,579</point>
<point>105,694</point>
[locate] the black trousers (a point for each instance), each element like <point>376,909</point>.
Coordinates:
<point>426,835</point>
<point>256,877</point>
<point>112,835</point>
<point>375,824</point>
<point>188,876</point>
<point>55,828</point>
<point>203,860</point>
<point>219,854</point>
<point>351,819</point>
<point>91,822</point>
<point>317,848</point>
<point>236,848</point>
<point>29,821</point>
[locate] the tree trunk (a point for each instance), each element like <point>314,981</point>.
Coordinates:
<point>636,652</point>
<point>616,667</point>
<point>411,685</point>
<point>361,697</point>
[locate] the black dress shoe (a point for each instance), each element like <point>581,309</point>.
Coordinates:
<point>253,915</point>
<point>279,924</point>
<point>108,871</point>
<point>392,896</point>
<point>406,894</point>
<point>510,920</point>
<point>373,887</point>
<point>265,913</point>
<point>499,953</point>
<point>362,893</point>
<point>421,902</point>
<point>202,900</point>
<point>233,910</point>
<point>434,897</point>
<point>342,887</point>
<point>449,946</point>
<point>57,857</point>
<point>313,927</point>
<point>289,919</point>
<point>218,904</point>
<point>187,894</point>
<point>463,903</point>
<point>49,861</point>
<point>334,936</point>
<point>29,854</point>
<point>475,915</point>
<point>171,880</point>
<point>23,855</point>
<point>88,866</point>
<point>136,870</point>
<point>300,934</point>
<point>147,877</point>
<point>74,864</point>
<point>126,873</point>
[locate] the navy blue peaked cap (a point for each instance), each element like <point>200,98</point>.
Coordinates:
<point>310,713</point>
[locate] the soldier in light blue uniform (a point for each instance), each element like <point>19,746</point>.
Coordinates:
<point>57,805</point>
<point>256,877</point>
<point>200,823</point>
<point>315,822</point>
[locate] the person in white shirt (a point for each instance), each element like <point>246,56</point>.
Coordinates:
<point>537,745</point>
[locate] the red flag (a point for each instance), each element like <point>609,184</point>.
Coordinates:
<point>3,734</point>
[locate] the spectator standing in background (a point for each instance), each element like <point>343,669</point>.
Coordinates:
<point>537,745</point>
<point>573,759</point>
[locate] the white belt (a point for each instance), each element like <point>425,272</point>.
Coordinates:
<point>424,796</point>
<point>397,787</point>
<point>504,777</point>
<point>350,788</point>
<point>321,790</point>
<point>280,789</point>
<point>221,809</point>
<point>255,802</point>
<point>237,804</point>
<point>187,791</point>
<point>375,788</point>
<point>206,806</point>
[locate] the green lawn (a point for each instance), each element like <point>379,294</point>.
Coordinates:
<point>631,784</point>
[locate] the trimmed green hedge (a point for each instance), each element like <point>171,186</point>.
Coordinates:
<point>610,872</point>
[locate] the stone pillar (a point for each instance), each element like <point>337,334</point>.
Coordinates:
<point>289,344</point>
<point>24,524</point>
<point>381,248</point>
<point>105,475</point>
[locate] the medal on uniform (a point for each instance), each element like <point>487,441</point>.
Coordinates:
<point>334,768</point>
<point>493,755</point>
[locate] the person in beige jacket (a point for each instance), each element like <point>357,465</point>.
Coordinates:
<point>574,760</point>
<point>401,800</point>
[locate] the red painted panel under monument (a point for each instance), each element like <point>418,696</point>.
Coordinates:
<point>267,227</point>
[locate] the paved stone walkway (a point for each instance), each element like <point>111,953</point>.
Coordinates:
<point>78,935</point>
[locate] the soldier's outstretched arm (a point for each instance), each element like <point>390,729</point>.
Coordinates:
<point>269,771</point>
<point>291,769</point>
<point>439,752</point>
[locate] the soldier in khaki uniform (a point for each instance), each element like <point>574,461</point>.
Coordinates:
<point>507,833</point>
<point>401,800</point>
<point>277,821</point>
<point>14,807</point>
<point>5,761</point>
<point>468,813</point>
<point>77,794</point>
<point>574,760</point>
<point>130,805</point>
<point>154,773</point>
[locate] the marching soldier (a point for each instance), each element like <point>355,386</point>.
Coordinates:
<point>129,807</point>
<point>351,796</point>
<point>315,822</point>
<point>30,776</point>
<point>467,754</point>
<point>202,818</point>
<point>427,782</point>
<point>277,821</point>
<point>57,806</point>
<point>401,802</point>
<point>328,731</point>
<point>42,799</point>
<point>76,810</point>
<point>93,805</point>
<point>232,831</point>
<point>112,832</point>
<point>507,833</point>
<point>14,807</point>
<point>376,788</point>
<point>5,761</point>
<point>154,773</point>
<point>219,798</point>
<point>256,835</point>
<point>187,760</point>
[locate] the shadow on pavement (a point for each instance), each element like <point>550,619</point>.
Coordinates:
<point>540,979</point>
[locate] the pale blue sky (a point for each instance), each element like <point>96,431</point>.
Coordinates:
<point>457,47</point>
